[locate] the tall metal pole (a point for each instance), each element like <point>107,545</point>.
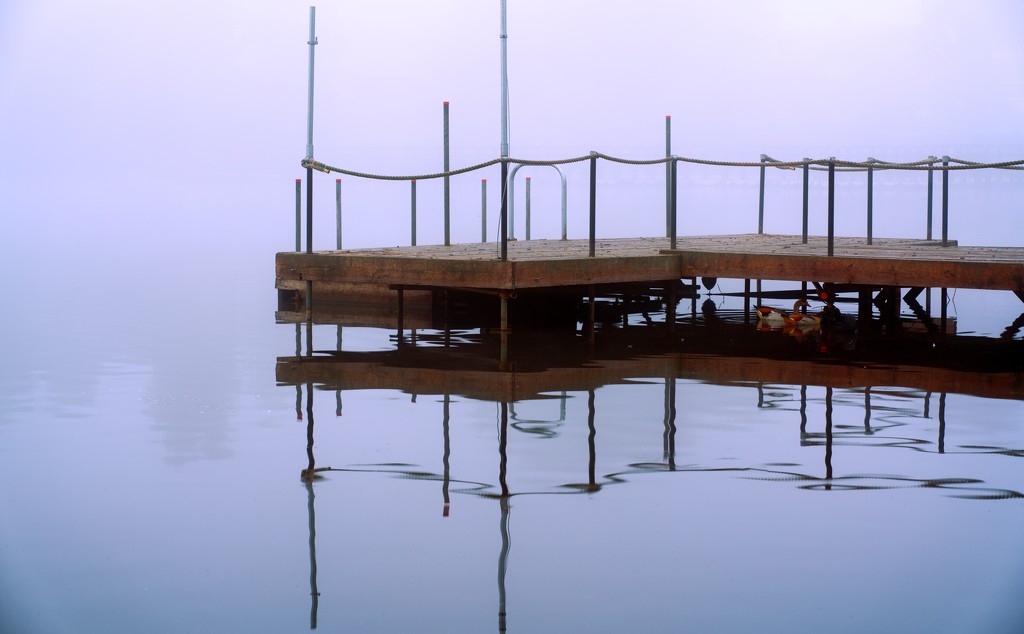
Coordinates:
<point>309,132</point>
<point>668,177</point>
<point>503,218</point>
<point>447,183</point>
<point>309,170</point>
<point>504,83</point>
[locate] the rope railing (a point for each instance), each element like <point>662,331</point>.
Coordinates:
<point>931,164</point>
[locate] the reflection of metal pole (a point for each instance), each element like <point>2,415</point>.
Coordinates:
<point>298,388</point>
<point>447,453</point>
<point>309,429</point>
<point>591,471</point>
<point>867,409</point>
<point>942,423</point>
<point>803,413</point>
<point>314,603</point>
<point>670,423</point>
<point>828,438</point>
<point>337,393</point>
<point>506,539</point>
<point>506,546</point>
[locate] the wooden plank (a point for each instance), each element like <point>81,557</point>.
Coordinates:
<point>557,263</point>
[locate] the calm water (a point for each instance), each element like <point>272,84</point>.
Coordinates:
<point>152,483</point>
<point>153,446</point>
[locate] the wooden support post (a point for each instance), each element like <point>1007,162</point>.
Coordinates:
<point>401,314</point>
<point>746,301</point>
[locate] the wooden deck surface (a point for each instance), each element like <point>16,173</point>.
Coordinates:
<point>556,263</point>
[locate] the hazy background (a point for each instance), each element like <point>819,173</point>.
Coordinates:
<point>144,128</point>
<point>149,151</point>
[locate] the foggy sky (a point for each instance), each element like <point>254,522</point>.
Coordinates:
<point>113,111</point>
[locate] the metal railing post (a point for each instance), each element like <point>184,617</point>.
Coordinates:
<point>945,201</point>
<point>760,202</point>
<point>593,202</point>
<point>337,206</point>
<point>298,215</point>
<point>871,190</point>
<point>483,210</point>
<point>412,212</point>
<point>527,207</point>
<point>503,216</point>
<point>831,205</point>
<point>928,232</point>
<point>447,184</point>
<point>807,173</point>
<point>668,177</point>
<point>673,169</point>
<point>309,210</point>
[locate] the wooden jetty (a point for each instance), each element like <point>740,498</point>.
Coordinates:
<point>359,275</point>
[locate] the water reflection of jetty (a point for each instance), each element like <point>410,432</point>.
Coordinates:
<point>891,379</point>
<point>727,355</point>
<point>881,432</point>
